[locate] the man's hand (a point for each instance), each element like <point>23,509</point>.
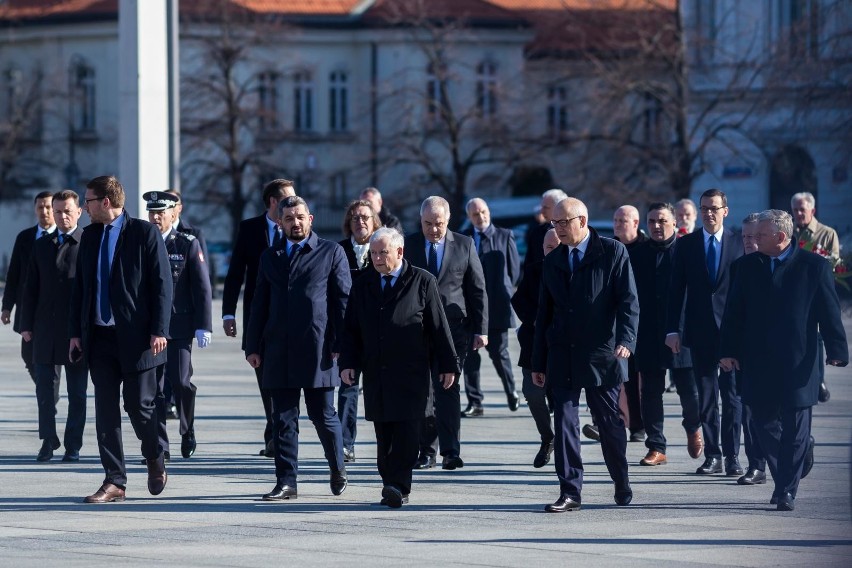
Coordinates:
<point>447,379</point>
<point>673,342</point>
<point>230,327</point>
<point>622,352</point>
<point>254,360</point>
<point>729,364</point>
<point>479,341</point>
<point>348,376</point>
<point>5,317</point>
<point>836,363</point>
<point>335,356</point>
<point>203,338</point>
<point>75,347</point>
<point>158,344</point>
<point>538,379</point>
<point>27,335</point>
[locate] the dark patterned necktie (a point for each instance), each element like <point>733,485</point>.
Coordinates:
<point>106,310</point>
<point>388,287</point>
<point>433,259</point>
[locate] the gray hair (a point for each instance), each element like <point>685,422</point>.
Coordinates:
<point>805,196</point>
<point>686,201</point>
<point>292,201</point>
<point>556,195</point>
<point>751,218</point>
<point>470,202</point>
<point>781,220</point>
<point>433,202</point>
<point>394,237</point>
<point>371,191</point>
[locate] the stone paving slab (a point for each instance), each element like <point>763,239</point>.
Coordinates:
<point>487,514</point>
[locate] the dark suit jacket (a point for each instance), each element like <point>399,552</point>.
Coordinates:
<point>47,295</point>
<point>771,323</point>
<point>461,283</point>
<point>252,240</point>
<point>525,302</point>
<point>501,267</point>
<point>394,341</point>
<point>140,288</point>
<point>354,271</point>
<point>581,318</point>
<point>535,242</point>
<point>297,314</point>
<point>193,299</point>
<point>16,275</point>
<point>702,300</point>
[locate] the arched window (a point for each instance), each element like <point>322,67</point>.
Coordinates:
<point>486,88</point>
<point>303,102</point>
<point>82,87</point>
<point>338,101</point>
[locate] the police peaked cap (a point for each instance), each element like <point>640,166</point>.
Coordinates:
<point>159,200</point>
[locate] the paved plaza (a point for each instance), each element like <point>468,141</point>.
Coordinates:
<point>488,514</point>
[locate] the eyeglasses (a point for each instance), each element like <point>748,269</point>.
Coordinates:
<point>562,222</point>
<point>86,201</point>
<point>361,217</point>
<point>711,209</point>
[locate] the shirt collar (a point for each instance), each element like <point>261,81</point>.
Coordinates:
<point>396,271</point>
<point>718,234</point>
<point>584,244</point>
<point>42,231</point>
<point>270,224</point>
<point>785,253</point>
<point>118,222</point>
<point>167,233</point>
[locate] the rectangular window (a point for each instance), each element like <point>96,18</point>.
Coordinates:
<point>303,111</point>
<point>557,111</point>
<point>486,88</point>
<point>338,117</point>
<point>267,100</point>
<point>83,95</point>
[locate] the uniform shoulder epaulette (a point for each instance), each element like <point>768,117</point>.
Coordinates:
<point>187,236</point>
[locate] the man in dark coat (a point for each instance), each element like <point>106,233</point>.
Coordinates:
<point>255,235</point>
<point>525,302</point>
<point>388,219</point>
<point>781,299</point>
<point>501,268</point>
<point>295,331</point>
<point>652,267</point>
<point>452,259</point>
<point>359,224</point>
<point>191,315</point>
<point>584,332</point>
<point>395,328</point>
<point>700,281</point>
<point>16,277</point>
<point>119,319</point>
<point>44,323</point>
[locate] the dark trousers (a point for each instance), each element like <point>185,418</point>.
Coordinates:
<point>498,351</point>
<point>603,404</point>
<point>537,403</point>
<point>76,383</point>
<point>266,398</point>
<point>442,425</point>
<point>285,416</point>
<point>653,412</point>
<point>161,403</point>
<point>347,411</point>
<point>397,447</point>
<point>784,436</point>
<point>756,458</point>
<point>711,384</point>
<point>179,375</point>
<point>632,400</point>
<point>29,363</point>
<point>139,390</point>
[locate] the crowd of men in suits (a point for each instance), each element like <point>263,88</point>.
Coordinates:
<point>741,317</point>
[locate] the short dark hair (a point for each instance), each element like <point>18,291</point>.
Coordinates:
<point>175,192</point>
<point>110,187</point>
<point>751,218</point>
<point>292,201</point>
<point>715,193</point>
<point>42,195</point>
<point>347,217</point>
<point>67,194</point>
<point>276,188</point>
<point>661,206</point>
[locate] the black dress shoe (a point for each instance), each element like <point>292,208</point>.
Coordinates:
<point>348,455</point>
<point>281,492</point>
<point>753,477</point>
<point>46,451</point>
<point>339,481</point>
<point>786,502</point>
<point>733,467</point>
<point>514,402</point>
<point>774,500</point>
<point>623,495</point>
<point>452,462</point>
<point>472,411</point>
<point>187,444</point>
<point>171,413</point>
<point>268,450</point>
<point>809,458</point>
<point>590,431</point>
<point>710,466</point>
<point>542,458</point>
<point>425,462</point>
<point>563,505</point>
<point>824,395</point>
<point>393,497</point>
<point>71,456</point>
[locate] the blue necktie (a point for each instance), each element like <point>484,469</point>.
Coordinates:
<point>62,238</point>
<point>387,288</point>
<point>711,259</point>
<point>106,311</point>
<point>293,250</point>
<point>575,260</point>
<point>433,259</point>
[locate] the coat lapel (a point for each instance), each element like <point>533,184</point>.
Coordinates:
<point>449,250</point>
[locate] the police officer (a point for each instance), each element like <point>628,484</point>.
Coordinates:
<point>191,314</point>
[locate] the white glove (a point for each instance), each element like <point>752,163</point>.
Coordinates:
<point>203,338</point>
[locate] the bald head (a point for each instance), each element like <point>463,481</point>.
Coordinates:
<point>625,224</point>
<point>571,218</point>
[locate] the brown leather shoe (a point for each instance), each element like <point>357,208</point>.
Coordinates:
<point>653,458</point>
<point>157,475</point>
<point>695,444</point>
<point>108,493</point>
